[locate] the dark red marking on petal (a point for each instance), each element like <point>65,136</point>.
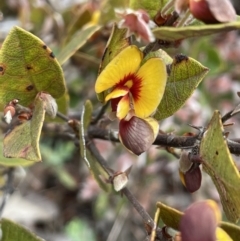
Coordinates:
<point>114,103</point>
<point>136,87</point>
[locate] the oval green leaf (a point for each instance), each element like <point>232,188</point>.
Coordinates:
<point>23,140</point>
<point>185,75</point>
<point>95,168</point>
<point>220,166</point>
<point>14,232</point>
<point>170,216</point>
<point>76,42</point>
<point>176,34</point>
<point>12,162</point>
<point>28,66</point>
<point>232,230</point>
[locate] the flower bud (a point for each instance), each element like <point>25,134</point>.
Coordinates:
<point>200,221</point>
<point>137,134</point>
<point>212,11</point>
<point>189,172</point>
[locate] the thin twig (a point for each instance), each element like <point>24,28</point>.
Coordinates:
<point>156,219</point>
<point>145,216</point>
<point>100,114</point>
<point>62,116</point>
<point>94,151</point>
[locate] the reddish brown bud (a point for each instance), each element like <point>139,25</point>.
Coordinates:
<point>193,178</point>
<point>137,134</point>
<point>189,172</point>
<point>212,11</point>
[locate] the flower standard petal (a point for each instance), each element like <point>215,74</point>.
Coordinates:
<point>153,76</point>
<point>125,63</point>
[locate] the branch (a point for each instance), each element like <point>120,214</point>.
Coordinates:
<point>131,198</point>
<point>165,140</point>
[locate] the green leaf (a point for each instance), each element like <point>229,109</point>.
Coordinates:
<point>157,54</point>
<point>23,140</point>
<point>219,164</point>
<point>14,232</point>
<point>170,216</point>
<point>63,103</point>
<point>116,43</point>
<point>13,161</point>
<point>232,230</point>
<point>150,6</point>
<point>95,168</point>
<point>176,34</point>
<point>76,42</point>
<point>185,75</point>
<point>28,66</point>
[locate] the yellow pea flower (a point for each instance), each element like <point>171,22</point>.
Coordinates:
<point>132,86</point>
<point>135,90</point>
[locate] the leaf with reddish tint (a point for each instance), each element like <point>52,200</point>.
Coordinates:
<point>185,75</point>
<point>23,140</point>
<point>93,165</point>
<point>13,161</point>
<point>28,66</point>
<point>116,43</point>
<point>219,164</point>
